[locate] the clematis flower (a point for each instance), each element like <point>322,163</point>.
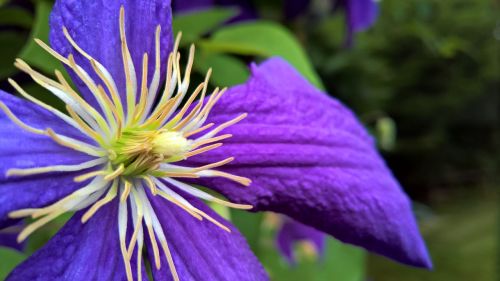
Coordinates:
<point>292,232</point>
<point>128,157</point>
<point>117,157</point>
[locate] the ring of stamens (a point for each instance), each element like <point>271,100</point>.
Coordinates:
<point>135,145</point>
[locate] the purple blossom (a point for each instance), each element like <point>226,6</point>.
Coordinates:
<point>292,232</point>
<point>125,156</point>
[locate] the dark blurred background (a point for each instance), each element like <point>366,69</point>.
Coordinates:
<point>425,79</point>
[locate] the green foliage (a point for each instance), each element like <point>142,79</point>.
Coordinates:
<point>10,258</point>
<point>340,262</point>
<point>34,54</point>
<point>431,66</point>
<point>227,69</point>
<point>192,30</point>
<point>264,39</point>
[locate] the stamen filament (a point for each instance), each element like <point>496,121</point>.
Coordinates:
<point>56,112</point>
<point>115,173</point>
<point>57,168</point>
<point>199,130</point>
<point>211,173</point>
<point>97,205</point>
<point>126,190</point>
<point>202,150</point>
<point>129,69</point>
<point>210,140</point>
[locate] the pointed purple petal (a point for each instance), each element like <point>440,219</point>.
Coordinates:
<point>203,251</point>
<point>94,25</point>
<point>361,14</point>
<point>293,231</point>
<point>79,251</point>
<point>311,159</point>
<point>8,238</point>
<point>21,149</point>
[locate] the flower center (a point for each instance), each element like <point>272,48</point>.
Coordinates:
<point>141,152</point>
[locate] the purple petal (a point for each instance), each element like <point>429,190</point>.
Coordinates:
<point>291,232</point>
<point>21,149</point>
<point>203,251</point>
<point>9,240</point>
<point>79,251</point>
<point>310,158</point>
<point>361,14</point>
<point>94,25</point>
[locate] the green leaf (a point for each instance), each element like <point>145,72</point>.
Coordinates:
<point>226,70</point>
<point>15,16</point>
<point>264,39</point>
<point>9,259</point>
<point>341,262</point>
<point>10,43</point>
<point>44,234</point>
<point>34,54</point>
<point>196,24</point>
<point>249,225</point>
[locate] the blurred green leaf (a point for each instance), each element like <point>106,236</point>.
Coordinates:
<point>196,24</point>
<point>43,235</point>
<point>226,70</point>
<point>341,262</point>
<point>9,259</point>
<point>15,16</point>
<point>34,54</point>
<point>250,226</point>
<point>10,44</point>
<point>263,39</point>
<point>223,211</point>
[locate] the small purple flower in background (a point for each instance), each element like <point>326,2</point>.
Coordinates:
<point>360,14</point>
<point>292,232</point>
<point>125,157</point>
